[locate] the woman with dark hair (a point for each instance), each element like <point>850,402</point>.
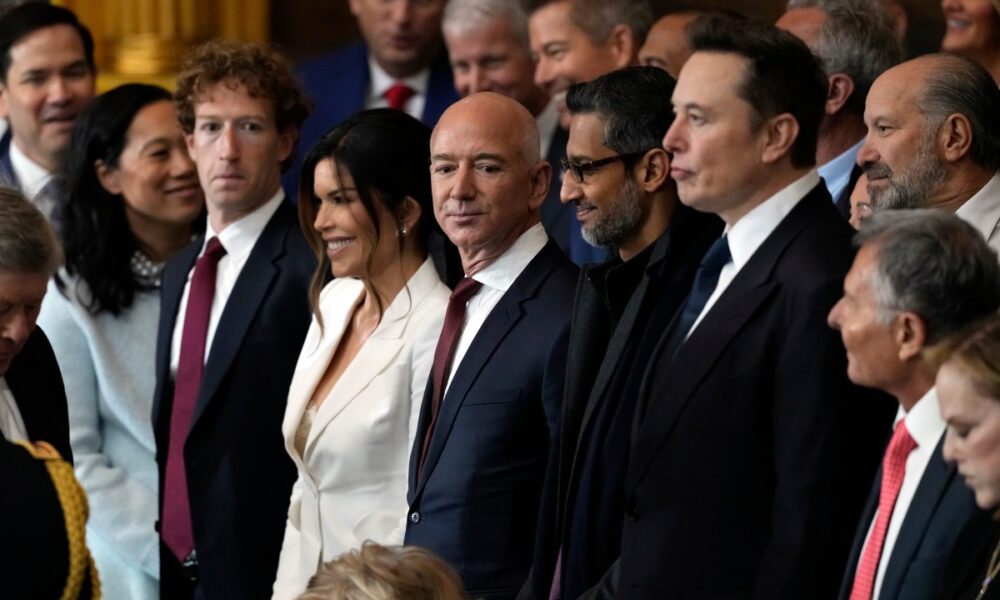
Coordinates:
<point>365,205</point>
<point>132,194</point>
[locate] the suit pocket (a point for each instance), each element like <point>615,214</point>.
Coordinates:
<point>477,397</point>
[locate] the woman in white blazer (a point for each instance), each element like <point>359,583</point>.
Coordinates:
<point>353,404</point>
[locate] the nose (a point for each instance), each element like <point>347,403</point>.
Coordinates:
<point>950,4</point>
<point>543,73</point>
<point>950,454</point>
<point>571,190</point>
<point>59,91</point>
<point>17,327</point>
<point>672,139</point>
<point>400,12</point>
<point>476,79</point>
<point>229,146</point>
<point>833,319</point>
<point>324,214</point>
<point>867,153</point>
<point>181,165</point>
<point>463,185</point>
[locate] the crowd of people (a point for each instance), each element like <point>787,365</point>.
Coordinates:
<point>540,301</point>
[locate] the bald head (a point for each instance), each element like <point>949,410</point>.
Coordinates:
<point>666,44</point>
<point>487,176</point>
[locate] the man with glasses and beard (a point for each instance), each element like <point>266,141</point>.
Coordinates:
<point>934,140</point>
<point>617,175</point>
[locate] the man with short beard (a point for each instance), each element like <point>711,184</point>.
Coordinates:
<point>934,140</point>
<point>618,177</point>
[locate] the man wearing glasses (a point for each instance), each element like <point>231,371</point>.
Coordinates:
<point>617,176</point>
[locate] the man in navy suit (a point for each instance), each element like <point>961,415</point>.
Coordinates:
<point>402,50</point>
<point>234,313</point>
<point>491,412</point>
<point>919,276</point>
<point>46,78</point>
<point>856,46</point>
<point>751,450</point>
<point>32,398</point>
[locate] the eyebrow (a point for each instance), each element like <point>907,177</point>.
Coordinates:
<point>444,156</point>
<point>153,142</point>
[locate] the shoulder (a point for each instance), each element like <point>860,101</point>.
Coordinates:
<point>348,58</point>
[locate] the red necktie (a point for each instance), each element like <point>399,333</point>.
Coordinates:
<point>398,94</point>
<point>893,470</point>
<point>176,526</point>
<point>454,320</point>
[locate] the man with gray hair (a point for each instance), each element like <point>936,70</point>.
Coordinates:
<point>32,397</point>
<point>489,51</point>
<point>855,41</point>
<point>919,276</point>
<point>934,140</point>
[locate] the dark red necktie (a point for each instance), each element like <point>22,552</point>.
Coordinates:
<point>176,526</point>
<point>454,320</point>
<point>893,470</point>
<point>398,95</point>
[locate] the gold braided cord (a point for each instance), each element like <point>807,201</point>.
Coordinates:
<point>75,511</point>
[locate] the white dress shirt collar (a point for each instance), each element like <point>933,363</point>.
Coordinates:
<point>11,424</point>
<point>757,225</point>
<point>501,273</point>
<point>239,237</point>
<point>924,421</point>
<point>982,210</point>
<point>381,81</point>
<point>837,172</point>
<point>31,176</point>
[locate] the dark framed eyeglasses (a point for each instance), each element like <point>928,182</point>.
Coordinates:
<point>580,169</point>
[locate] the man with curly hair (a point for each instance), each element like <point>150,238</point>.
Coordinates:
<point>234,313</point>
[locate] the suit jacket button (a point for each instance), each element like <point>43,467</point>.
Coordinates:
<point>415,517</point>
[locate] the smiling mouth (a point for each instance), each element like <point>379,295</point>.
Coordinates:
<point>584,209</point>
<point>333,246</point>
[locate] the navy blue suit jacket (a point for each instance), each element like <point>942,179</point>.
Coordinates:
<point>477,499</point>
<point>239,475</point>
<point>338,82</point>
<point>942,522</point>
<point>751,462</point>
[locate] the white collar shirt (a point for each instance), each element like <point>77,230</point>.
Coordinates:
<point>982,211</point>
<point>32,178</point>
<point>926,427</point>
<point>381,82</point>
<point>11,423</point>
<point>837,172</point>
<point>496,278</point>
<point>239,239</point>
<point>747,234</point>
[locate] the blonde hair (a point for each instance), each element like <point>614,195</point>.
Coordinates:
<point>976,352</point>
<point>377,572</point>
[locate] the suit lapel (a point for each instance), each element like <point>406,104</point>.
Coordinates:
<point>935,481</point>
<point>248,293</point>
<point>749,290</point>
<point>498,324</point>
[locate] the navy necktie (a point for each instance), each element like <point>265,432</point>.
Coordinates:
<point>705,280</point>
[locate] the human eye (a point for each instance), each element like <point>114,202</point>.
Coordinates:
<point>209,126</point>
<point>77,71</point>
<point>696,118</point>
<point>34,78</point>
<point>251,126</point>
<point>489,168</point>
<point>5,308</point>
<point>442,168</point>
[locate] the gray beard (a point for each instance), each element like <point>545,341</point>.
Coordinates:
<point>617,221</point>
<point>912,187</point>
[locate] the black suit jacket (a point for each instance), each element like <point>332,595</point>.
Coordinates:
<point>476,501</point>
<point>239,475</point>
<point>942,522</point>
<point>598,373</point>
<point>36,382</point>
<point>752,460</point>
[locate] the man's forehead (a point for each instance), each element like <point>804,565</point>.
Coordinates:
<point>219,97</point>
<point>34,47</point>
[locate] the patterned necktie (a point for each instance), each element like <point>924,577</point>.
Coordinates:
<point>893,470</point>
<point>398,95</point>
<point>176,526</point>
<point>454,320</point>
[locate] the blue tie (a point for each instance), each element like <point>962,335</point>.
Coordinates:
<point>705,281</point>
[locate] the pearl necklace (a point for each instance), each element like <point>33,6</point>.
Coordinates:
<point>146,271</point>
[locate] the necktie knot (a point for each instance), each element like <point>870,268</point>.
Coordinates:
<point>900,446</point>
<point>718,254</point>
<point>398,94</point>
<point>465,289</point>
<point>214,250</point>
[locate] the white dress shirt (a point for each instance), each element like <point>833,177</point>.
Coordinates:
<point>982,211</point>
<point>496,278</point>
<point>752,229</point>
<point>382,81</point>
<point>11,423</point>
<point>238,239</point>
<point>32,177</point>
<point>837,172</point>
<point>926,428</point>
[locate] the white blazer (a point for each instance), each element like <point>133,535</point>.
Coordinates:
<point>353,472</point>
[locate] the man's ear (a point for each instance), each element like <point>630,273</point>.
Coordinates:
<point>955,137</point>
<point>839,90</point>
<point>910,335</point>
<point>541,174</point>
<point>623,45</point>
<point>655,169</point>
<point>780,133</point>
